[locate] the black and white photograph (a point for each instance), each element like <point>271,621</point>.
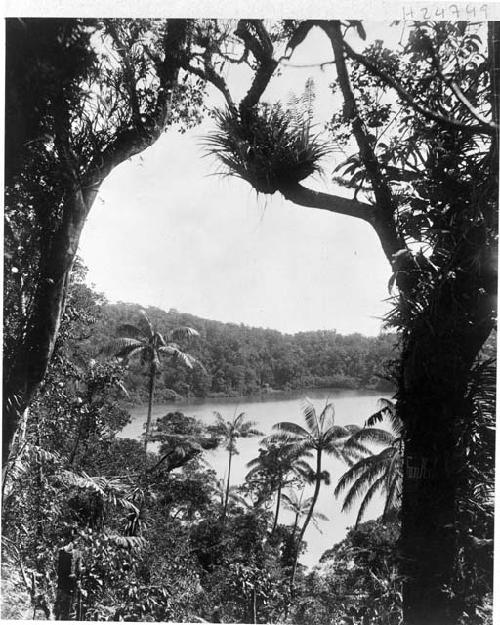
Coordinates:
<point>249,312</point>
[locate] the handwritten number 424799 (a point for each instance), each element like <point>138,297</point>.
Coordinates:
<point>450,12</point>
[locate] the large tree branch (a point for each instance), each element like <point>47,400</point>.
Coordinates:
<point>484,127</point>
<point>385,230</point>
<point>261,47</point>
<point>455,88</point>
<point>303,196</point>
<point>210,75</point>
<point>383,218</point>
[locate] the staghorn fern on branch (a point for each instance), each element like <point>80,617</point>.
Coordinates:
<point>268,146</point>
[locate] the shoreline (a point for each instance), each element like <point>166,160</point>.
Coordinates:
<point>179,399</point>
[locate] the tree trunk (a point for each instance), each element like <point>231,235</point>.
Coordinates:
<point>226,502</point>
<point>278,501</point>
<point>309,514</point>
<point>68,569</point>
<point>78,437</point>
<point>295,524</point>
<point>152,379</point>
<point>23,376</point>
<point>433,404</point>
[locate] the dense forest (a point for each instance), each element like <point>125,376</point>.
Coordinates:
<point>239,360</point>
<point>95,528</point>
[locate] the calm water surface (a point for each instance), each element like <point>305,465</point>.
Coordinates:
<point>351,407</point>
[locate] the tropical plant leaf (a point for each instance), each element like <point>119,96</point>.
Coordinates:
<point>146,324</point>
<point>310,416</point>
<point>133,543</point>
<point>376,485</point>
<point>121,347</point>
<point>288,427</point>
<point>182,332</point>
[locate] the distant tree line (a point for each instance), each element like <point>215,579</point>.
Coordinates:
<point>241,360</point>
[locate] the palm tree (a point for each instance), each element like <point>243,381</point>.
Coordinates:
<point>276,464</point>
<point>323,436</point>
<point>299,507</point>
<point>229,431</point>
<point>235,498</point>
<point>145,341</point>
<point>376,472</point>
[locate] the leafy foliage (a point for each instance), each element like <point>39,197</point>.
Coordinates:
<point>239,360</point>
<point>357,581</point>
<point>269,146</point>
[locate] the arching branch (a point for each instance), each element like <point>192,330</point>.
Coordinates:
<point>484,127</point>
<point>261,47</point>
<point>383,216</point>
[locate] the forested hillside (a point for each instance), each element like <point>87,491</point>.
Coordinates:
<point>240,360</point>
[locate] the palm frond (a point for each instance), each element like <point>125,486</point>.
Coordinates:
<point>146,323</point>
<point>182,332</point>
<point>251,432</point>
<point>248,429</point>
<point>376,485</point>
<point>335,433</point>
<point>387,409</point>
<point>376,417</point>
<point>372,435</point>
<point>387,404</point>
<point>310,417</point>
<point>159,339</point>
<point>393,494</point>
<point>128,542</point>
<point>292,500</point>
<point>358,470</point>
<point>178,354</point>
<point>302,468</point>
<point>328,411</point>
<point>237,421</point>
<point>288,427</point>
<point>121,347</point>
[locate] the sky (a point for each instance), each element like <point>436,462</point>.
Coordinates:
<point>168,231</point>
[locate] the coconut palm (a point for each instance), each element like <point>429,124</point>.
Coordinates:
<point>145,342</point>
<point>228,432</point>
<point>322,436</point>
<point>276,464</point>
<point>378,472</point>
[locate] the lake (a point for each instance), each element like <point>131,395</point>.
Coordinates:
<point>351,407</point>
